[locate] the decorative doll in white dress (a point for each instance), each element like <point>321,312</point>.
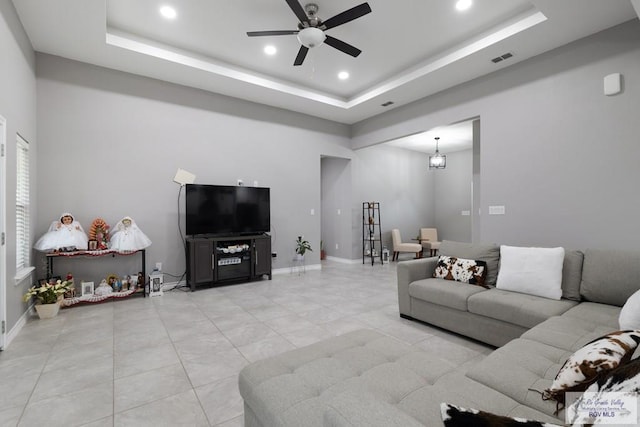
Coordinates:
<point>66,234</point>
<point>128,237</point>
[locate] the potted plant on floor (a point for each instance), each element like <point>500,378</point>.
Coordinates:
<point>47,296</point>
<point>302,246</point>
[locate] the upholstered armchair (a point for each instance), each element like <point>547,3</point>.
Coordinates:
<point>429,240</point>
<point>398,246</point>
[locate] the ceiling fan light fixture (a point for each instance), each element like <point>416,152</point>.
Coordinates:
<point>311,37</point>
<point>168,12</point>
<point>463,4</point>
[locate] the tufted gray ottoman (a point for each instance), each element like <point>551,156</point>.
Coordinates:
<point>362,375</point>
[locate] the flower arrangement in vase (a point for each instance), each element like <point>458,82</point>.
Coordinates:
<point>47,296</point>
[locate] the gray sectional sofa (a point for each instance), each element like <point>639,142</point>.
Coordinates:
<point>365,378</point>
<point>490,315</point>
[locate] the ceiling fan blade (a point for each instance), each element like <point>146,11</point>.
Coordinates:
<point>271,33</point>
<point>302,53</point>
<point>342,46</point>
<point>297,8</point>
<point>346,16</point>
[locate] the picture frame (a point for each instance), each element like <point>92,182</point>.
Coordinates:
<point>87,288</point>
<point>93,245</point>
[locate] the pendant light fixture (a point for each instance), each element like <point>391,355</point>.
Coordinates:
<point>437,161</point>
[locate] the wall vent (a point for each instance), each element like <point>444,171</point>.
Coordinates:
<point>386,104</point>
<point>502,57</point>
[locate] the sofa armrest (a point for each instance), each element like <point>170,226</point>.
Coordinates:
<point>410,271</point>
<point>349,409</point>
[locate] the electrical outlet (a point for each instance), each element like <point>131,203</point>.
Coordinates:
<point>337,247</point>
<point>274,254</point>
<point>159,266</point>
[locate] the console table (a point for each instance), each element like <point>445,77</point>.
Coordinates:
<point>96,254</point>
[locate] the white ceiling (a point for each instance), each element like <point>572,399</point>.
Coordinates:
<point>411,48</point>
<point>455,137</point>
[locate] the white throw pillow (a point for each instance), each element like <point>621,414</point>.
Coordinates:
<point>533,271</point>
<point>630,314</point>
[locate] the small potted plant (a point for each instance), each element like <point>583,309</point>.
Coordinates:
<point>302,246</point>
<point>47,296</point>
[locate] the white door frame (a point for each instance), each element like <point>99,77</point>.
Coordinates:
<point>3,230</point>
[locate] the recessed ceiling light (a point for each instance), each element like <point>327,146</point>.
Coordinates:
<point>270,50</point>
<point>463,4</point>
<point>343,75</point>
<point>168,12</point>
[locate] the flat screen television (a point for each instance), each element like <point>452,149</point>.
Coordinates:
<point>226,209</point>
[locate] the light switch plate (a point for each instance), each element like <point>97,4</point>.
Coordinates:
<point>496,210</point>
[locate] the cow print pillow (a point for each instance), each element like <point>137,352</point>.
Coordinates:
<point>624,379</point>
<point>591,361</point>
<point>461,270</point>
<point>455,416</point>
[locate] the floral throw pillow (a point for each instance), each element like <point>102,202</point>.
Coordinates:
<point>456,416</point>
<point>461,270</point>
<point>590,362</point>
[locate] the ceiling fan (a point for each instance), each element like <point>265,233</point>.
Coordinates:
<point>311,29</point>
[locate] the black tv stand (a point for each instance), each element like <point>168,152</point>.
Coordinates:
<point>222,260</point>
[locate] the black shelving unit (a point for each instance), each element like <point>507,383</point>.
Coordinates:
<point>371,232</point>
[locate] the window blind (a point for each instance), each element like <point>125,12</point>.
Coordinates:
<point>23,248</point>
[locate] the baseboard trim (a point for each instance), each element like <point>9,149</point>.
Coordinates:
<point>10,336</point>
<point>295,269</point>
<point>172,285</point>
<point>343,260</point>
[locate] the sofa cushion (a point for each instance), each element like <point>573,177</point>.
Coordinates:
<point>601,314</point>
<point>574,329</point>
<point>457,416</point>
<point>294,388</point>
<point>461,270</point>
<point>630,313</point>
<point>490,253</point>
<point>517,308</point>
<point>444,292</point>
<point>583,367</point>
<point>521,369</point>
<point>572,274</point>
<point>533,271</point>
<point>610,276</point>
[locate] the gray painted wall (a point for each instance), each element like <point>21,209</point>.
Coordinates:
<point>120,139</point>
<point>18,107</point>
<point>336,207</point>
<point>477,189</point>
<point>400,180</point>
<point>558,154</point>
<point>452,196</point>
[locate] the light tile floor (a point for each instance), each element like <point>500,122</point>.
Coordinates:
<point>175,359</point>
